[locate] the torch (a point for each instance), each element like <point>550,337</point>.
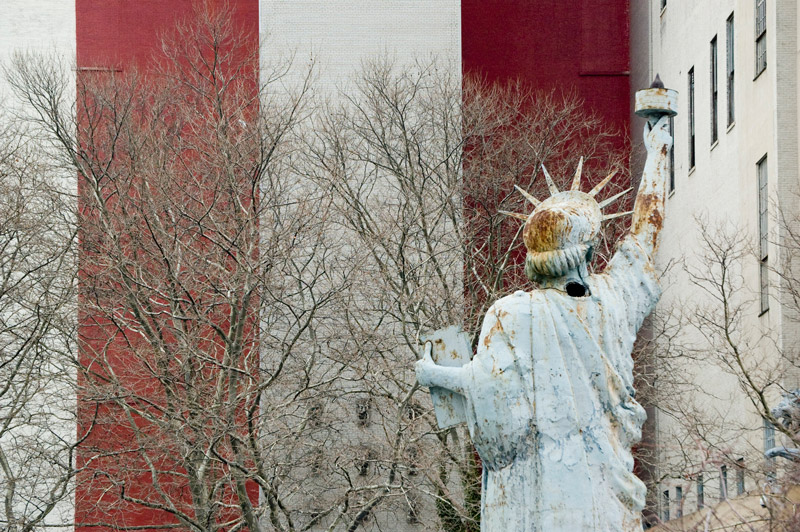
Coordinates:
<point>655,102</point>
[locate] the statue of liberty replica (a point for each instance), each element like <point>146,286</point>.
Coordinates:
<point>548,398</point>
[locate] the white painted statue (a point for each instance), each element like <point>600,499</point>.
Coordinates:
<point>549,398</point>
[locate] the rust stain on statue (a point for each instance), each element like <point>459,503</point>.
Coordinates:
<point>648,211</point>
<point>497,327</point>
<point>542,232</point>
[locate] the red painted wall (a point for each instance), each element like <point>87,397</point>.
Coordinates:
<point>116,36</point>
<point>126,33</point>
<point>550,44</point>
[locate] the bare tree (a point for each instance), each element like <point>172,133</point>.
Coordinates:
<point>37,334</point>
<point>725,380</point>
<point>256,272</point>
<point>212,336</point>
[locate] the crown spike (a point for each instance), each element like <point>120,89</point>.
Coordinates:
<point>602,183</point>
<point>576,181</point>
<point>550,183</point>
<point>611,200</point>
<point>535,202</point>
<point>514,215</point>
<point>616,215</point>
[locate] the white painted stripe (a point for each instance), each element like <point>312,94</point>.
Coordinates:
<point>340,34</point>
<point>48,27</point>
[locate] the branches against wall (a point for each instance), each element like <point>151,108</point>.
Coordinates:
<point>37,332</point>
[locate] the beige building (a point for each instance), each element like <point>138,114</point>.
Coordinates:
<point>725,330</point>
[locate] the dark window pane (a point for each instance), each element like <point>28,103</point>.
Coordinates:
<point>761,36</point>
<point>714,92</point>
<point>730,69</point>
<point>691,118</point>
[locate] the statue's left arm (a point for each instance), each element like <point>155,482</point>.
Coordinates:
<point>429,373</point>
<point>648,211</point>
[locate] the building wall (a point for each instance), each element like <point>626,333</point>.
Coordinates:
<point>719,196</point>
<point>548,44</point>
<point>336,41</point>
<point>336,44</point>
<point>119,36</point>
<point>44,26</point>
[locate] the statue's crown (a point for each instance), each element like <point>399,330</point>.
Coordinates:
<point>561,230</point>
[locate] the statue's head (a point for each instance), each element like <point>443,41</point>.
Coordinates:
<point>562,231</point>
<point>560,234</point>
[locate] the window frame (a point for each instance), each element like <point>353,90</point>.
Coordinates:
<point>769,443</point>
<point>760,37</point>
<point>714,71</point>
<point>692,140</point>
<point>701,492</point>
<point>730,68</point>
<point>671,161</point>
<point>763,232</point>
<point>740,485</point>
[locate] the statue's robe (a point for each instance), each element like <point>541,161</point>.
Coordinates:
<point>550,403</point>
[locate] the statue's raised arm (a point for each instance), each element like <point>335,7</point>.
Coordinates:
<point>657,105</point>
<point>648,211</point>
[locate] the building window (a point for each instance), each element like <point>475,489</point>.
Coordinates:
<point>665,506</point>
<point>740,476</point>
<point>315,414</point>
<point>714,92</point>
<point>317,461</point>
<point>701,495</point>
<point>413,509</point>
<point>672,156</point>
<point>678,502</point>
<point>362,412</point>
<point>761,36</point>
<point>763,232</point>
<point>723,482</point>
<point>769,443</point>
<point>729,68</point>
<point>414,411</point>
<point>370,457</point>
<point>413,461</point>
<point>691,117</point>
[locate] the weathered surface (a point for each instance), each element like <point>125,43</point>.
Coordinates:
<point>656,102</point>
<point>551,406</point>
<point>787,411</point>
<point>449,347</point>
<point>549,398</point>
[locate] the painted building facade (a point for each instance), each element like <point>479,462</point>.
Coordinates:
<point>546,44</point>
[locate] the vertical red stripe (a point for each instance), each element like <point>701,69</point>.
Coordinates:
<point>581,46</point>
<point>117,35</point>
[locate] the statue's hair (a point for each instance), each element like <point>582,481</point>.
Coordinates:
<point>555,263</point>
